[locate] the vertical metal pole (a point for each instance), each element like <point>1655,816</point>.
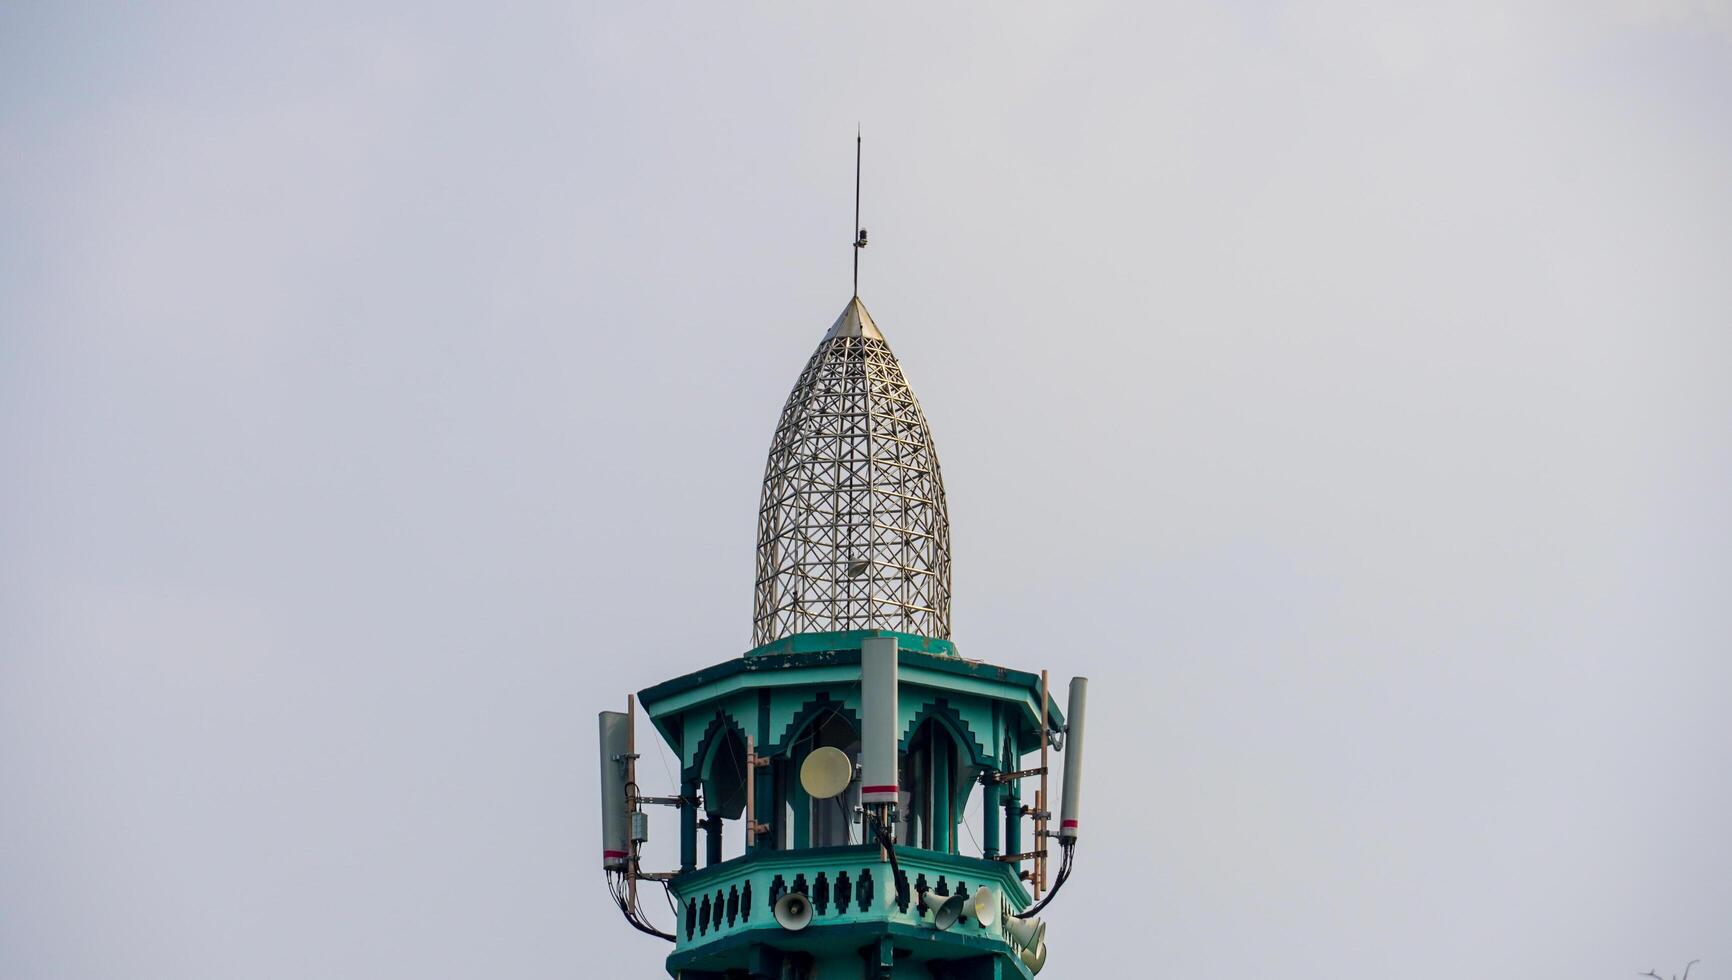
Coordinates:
<point>770,830</point>
<point>856,215</point>
<point>1040,797</point>
<point>631,792</point>
<point>751,795</point>
<point>754,829</point>
<point>989,818</point>
<point>1012,762</point>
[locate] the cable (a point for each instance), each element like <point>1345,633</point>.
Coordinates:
<point>889,845</point>
<point>643,917</point>
<point>1069,847</point>
<point>662,754</point>
<point>668,892</point>
<point>634,913</point>
<point>970,829</point>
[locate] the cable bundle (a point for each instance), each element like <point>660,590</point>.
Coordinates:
<point>633,911</point>
<point>1063,873</point>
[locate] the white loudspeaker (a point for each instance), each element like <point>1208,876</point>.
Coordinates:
<point>984,906</point>
<point>945,909</point>
<point>793,912</point>
<point>1027,933</point>
<point>826,772</point>
<point>1036,959</point>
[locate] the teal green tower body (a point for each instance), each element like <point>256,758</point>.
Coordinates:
<point>922,864</point>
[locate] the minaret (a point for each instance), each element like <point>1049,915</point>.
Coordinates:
<point>839,754</point>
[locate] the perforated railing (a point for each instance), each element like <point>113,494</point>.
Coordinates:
<point>842,885</point>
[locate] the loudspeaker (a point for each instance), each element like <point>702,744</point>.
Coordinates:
<point>793,912</point>
<point>1036,959</point>
<point>1027,933</point>
<point>826,772</point>
<point>945,909</point>
<point>983,905</point>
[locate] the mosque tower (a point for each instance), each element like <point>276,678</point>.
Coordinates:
<point>839,755</point>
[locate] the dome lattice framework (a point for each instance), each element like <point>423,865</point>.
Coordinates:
<point>853,532</point>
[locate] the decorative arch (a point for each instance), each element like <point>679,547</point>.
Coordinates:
<point>812,712</point>
<point>723,796</point>
<point>940,712</point>
<point>707,742</point>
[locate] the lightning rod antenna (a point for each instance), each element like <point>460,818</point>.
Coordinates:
<point>859,232</point>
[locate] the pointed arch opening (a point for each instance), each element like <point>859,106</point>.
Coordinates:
<point>939,772</point>
<point>813,822</point>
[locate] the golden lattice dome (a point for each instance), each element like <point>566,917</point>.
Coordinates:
<point>852,528</point>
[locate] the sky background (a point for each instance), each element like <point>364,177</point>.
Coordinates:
<point>385,389</point>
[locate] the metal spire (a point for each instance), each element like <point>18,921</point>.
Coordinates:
<point>859,232</point>
<point>853,528</point>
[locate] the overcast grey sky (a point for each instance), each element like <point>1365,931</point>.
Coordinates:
<point>385,389</point>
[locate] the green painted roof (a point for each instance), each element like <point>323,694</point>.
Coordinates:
<point>850,640</point>
<point>838,649</point>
